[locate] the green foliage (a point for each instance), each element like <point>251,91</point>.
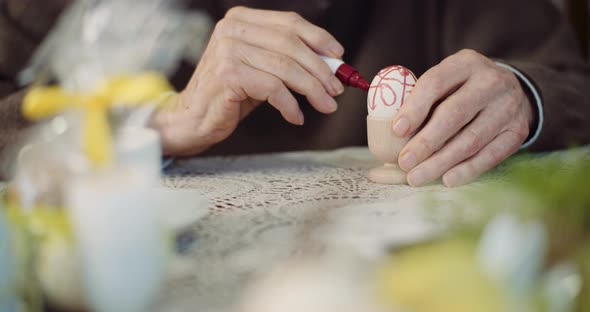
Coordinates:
<point>559,183</point>
<point>554,188</point>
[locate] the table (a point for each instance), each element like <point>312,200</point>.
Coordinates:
<point>265,209</point>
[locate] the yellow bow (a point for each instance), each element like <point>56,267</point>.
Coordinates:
<point>129,90</point>
<point>43,221</point>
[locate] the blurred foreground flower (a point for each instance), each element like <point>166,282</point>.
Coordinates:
<point>440,276</point>
<point>9,300</point>
<point>526,249</point>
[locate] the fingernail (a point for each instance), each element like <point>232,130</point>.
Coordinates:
<point>336,85</point>
<point>336,49</point>
<point>401,127</point>
<point>408,161</point>
<point>301,118</point>
<point>417,178</point>
<point>330,103</point>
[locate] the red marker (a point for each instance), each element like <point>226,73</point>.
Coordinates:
<point>346,73</point>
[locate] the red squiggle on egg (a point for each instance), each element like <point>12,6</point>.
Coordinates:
<point>386,82</point>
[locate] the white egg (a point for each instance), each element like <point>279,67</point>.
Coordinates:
<point>388,91</point>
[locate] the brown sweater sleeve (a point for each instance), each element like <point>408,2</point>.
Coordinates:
<point>535,38</point>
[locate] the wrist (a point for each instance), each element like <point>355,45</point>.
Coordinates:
<point>536,116</point>
<point>178,134</point>
<point>530,109</point>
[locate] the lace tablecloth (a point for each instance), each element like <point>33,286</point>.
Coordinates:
<point>265,209</point>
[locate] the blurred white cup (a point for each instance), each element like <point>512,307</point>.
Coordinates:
<point>139,148</point>
<point>122,242</point>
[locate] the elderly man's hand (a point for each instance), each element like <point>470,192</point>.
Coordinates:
<point>253,56</point>
<point>480,116</point>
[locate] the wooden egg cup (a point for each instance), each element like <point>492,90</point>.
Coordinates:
<point>385,146</point>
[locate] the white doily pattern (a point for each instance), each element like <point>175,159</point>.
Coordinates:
<point>266,209</point>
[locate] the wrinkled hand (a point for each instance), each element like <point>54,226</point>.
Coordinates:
<point>483,117</point>
<point>253,56</point>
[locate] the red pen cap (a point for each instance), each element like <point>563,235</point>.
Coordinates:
<point>351,77</point>
<point>347,74</point>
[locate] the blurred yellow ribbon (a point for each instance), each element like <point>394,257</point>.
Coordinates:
<point>46,222</point>
<point>124,90</point>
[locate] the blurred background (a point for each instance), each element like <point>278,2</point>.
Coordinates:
<point>578,12</point>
